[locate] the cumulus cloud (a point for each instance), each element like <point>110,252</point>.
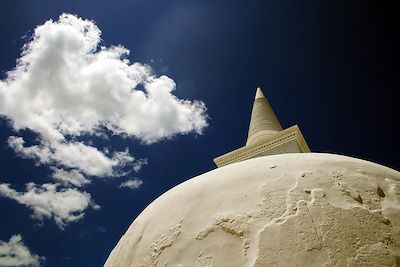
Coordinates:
<point>64,205</point>
<point>132,184</point>
<point>15,253</point>
<point>66,86</point>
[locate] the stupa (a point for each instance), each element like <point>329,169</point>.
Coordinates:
<point>270,204</point>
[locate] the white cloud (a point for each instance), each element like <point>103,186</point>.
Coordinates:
<point>65,85</point>
<point>137,165</point>
<point>15,253</point>
<point>101,229</point>
<point>47,201</point>
<point>132,184</point>
<point>70,177</point>
<point>86,159</point>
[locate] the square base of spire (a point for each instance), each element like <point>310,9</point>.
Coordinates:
<point>289,140</point>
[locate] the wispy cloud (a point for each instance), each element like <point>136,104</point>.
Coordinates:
<point>64,205</point>
<point>83,158</point>
<point>70,177</point>
<point>137,165</point>
<point>132,184</point>
<point>15,253</point>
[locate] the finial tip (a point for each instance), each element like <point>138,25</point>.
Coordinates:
<point>259,93</point>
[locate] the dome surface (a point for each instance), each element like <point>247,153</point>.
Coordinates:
<point>284,210</point>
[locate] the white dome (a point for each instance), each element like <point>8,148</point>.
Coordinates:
<point>283,210</point>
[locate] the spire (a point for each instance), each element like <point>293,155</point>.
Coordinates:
<point>266,136</point>
<point>263,122</point>
<point>259,93</point>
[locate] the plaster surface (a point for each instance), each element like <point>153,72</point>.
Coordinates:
<point>303,209</point>
<point>286,141</point>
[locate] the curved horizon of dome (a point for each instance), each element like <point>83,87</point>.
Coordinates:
<point>308,209</point>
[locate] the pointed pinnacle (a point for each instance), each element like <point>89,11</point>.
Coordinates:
<point>259,93</point>
<point>263,121</point>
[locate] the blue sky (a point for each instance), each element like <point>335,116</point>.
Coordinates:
<point>88,139</point>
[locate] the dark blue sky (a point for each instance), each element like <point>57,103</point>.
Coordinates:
<point>332,67</point>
